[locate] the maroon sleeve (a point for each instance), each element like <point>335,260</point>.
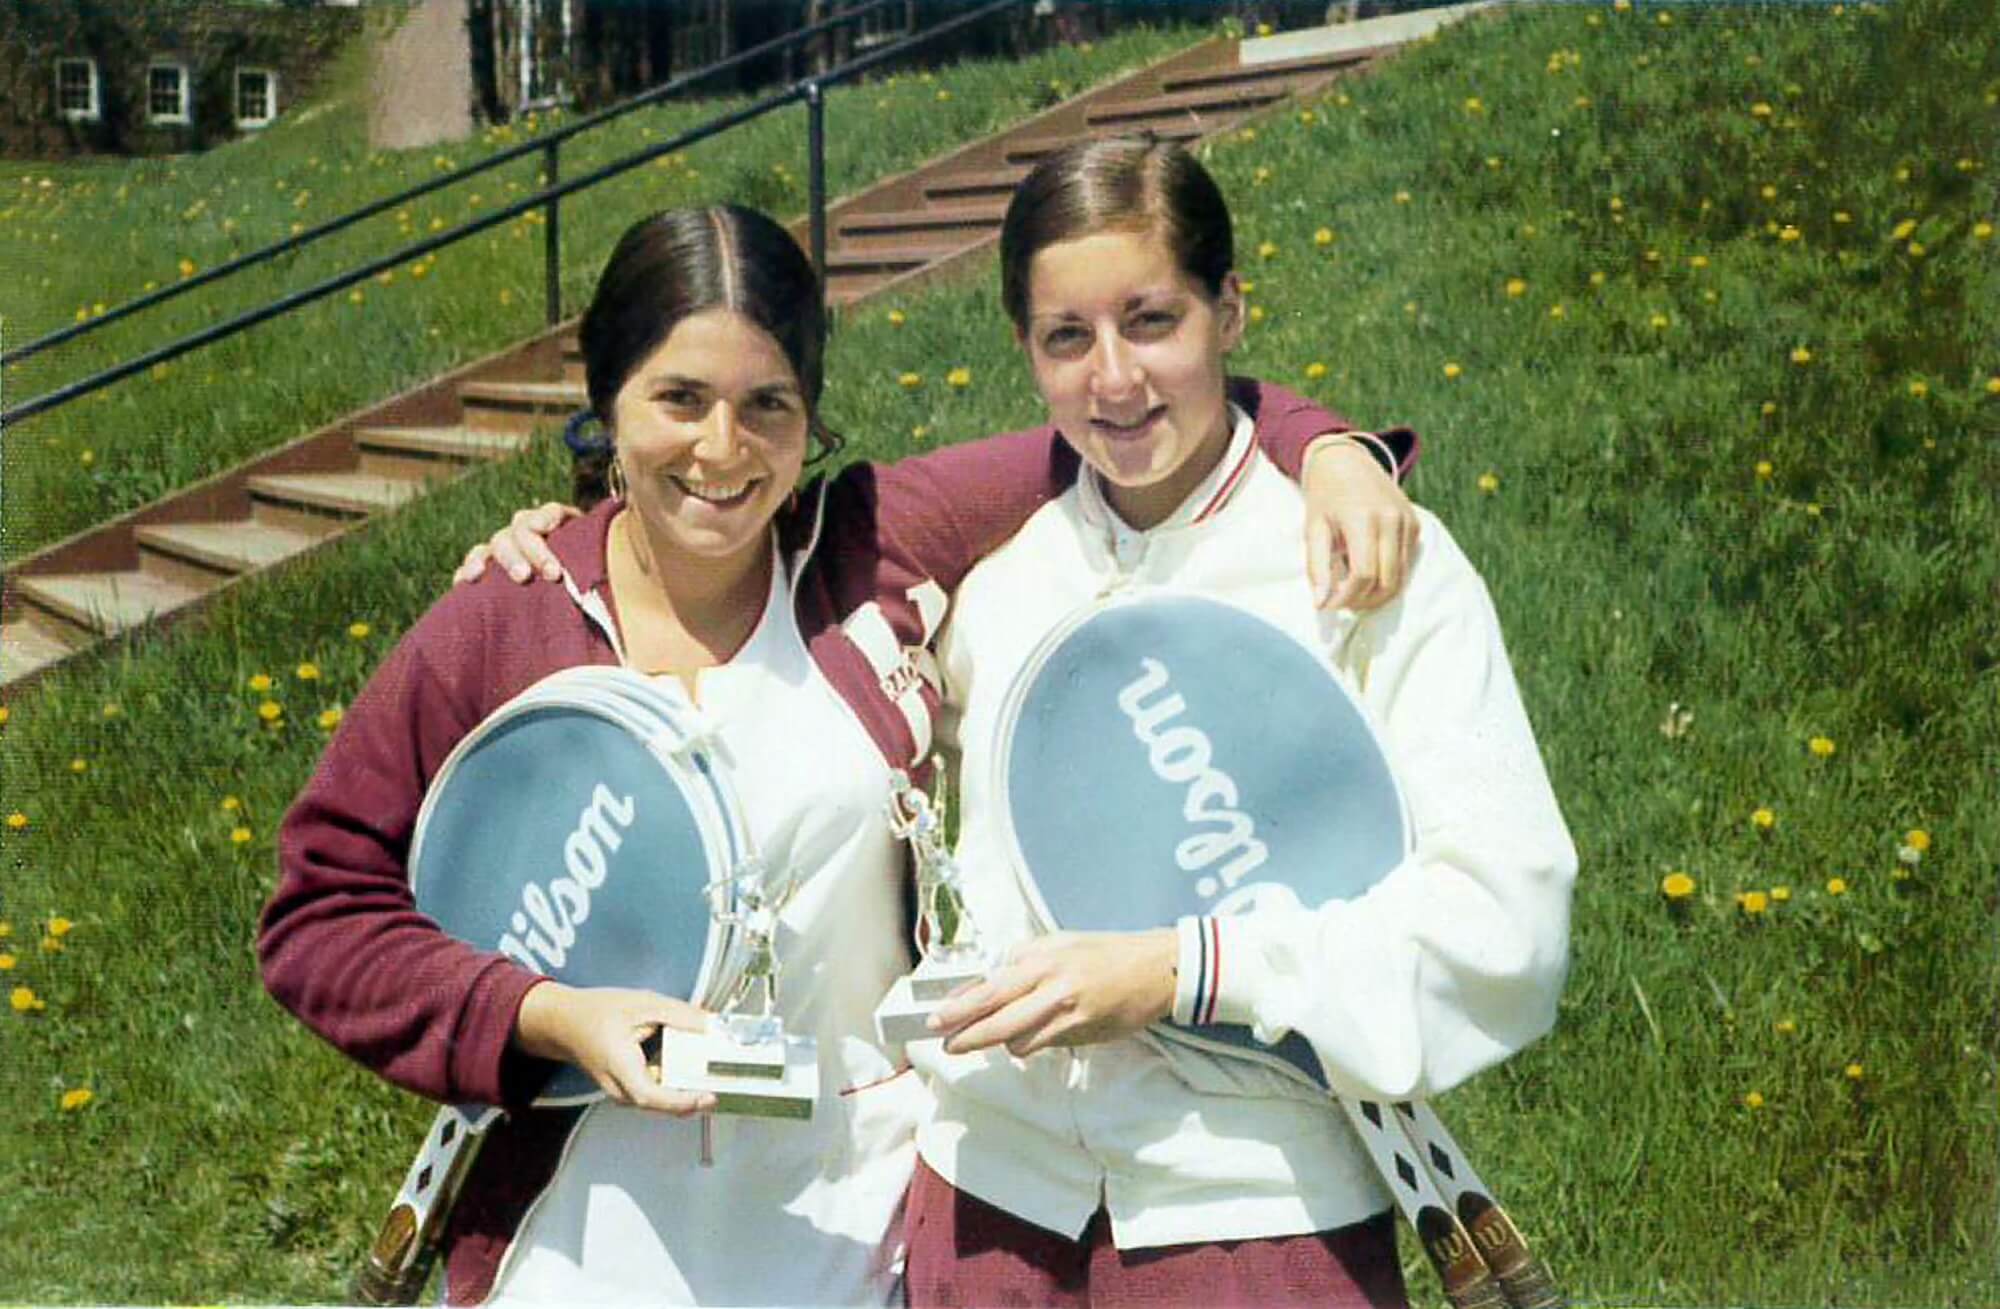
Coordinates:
<point>341,942</point>
<point>1287,423</point>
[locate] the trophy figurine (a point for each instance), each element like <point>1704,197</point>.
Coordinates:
<point>744,1057</point>
<point>949,953</point>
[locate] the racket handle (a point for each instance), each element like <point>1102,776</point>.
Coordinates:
<point>1523,1277</point>
<point>397,1266</point>
<point>1468,1282</point>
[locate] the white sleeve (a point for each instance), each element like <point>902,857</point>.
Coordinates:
<point>1455,959</point>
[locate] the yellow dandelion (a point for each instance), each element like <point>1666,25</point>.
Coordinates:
<point>1451,371</point>
<point>7,962</point>
<point>270,711</point>
<point>1323,237</point>
<point>1836,886</point>
<point>307,672</point>
<point>1665,19</point>
<point>1760,110</point>
<point>1267,249</point>
<point>1754,903</point>
<point>1621,6</point>
<point>920,431</point>
<point>60,926</point>
<point>1919,388</point>
<point>1781,894</point>
<point>1557,311</point>
<point>1263,29</point>
<point>1489,483</point>
<point>1261,176</point>
<point>1788,233</point>
<point>1842,217</point>
<point>1902,229</point>
<point>1247,134</point>
<point>5,714</point>
<point>1854,1072</point>
<point>1248,286</point>
<point>1597,278</point>
<point>1918,839</point>
<point>355,296</point>
<point>1821,746</point>
<point>1581,102</point>
<point>1982,230</point>
<point>1473,105</point>
<point>16,821</point>
<point>52,945</point>
<point>1516,287</point>
<point>111,709</point>
<point>1993,384</point>
<point>24,1000</point>
<point>79,765</point>
<point>358,631</point>
<point>1402,197</point>
<point>1493,162</point>
<point>76,1098</point>
<point>897,318</point>
<point>1916,249</point>
<point>1660,320</point>
<point>1698,261</point>
<point>910,381</point>
<point>1307,117</point>
<point>1765,469</point>
<point>1763,820</point>
<point>1966,165</point>
<point>1315,370</point>
<point>1768,191</point>
<point>239,836</point>
<point>329,718</point>
<point>187,268</point>
<point>1256,313</point>
<point>1768,408</point>
<point>259,682</point>
<point>1754,1100</point>
<point>1677,886</point>
<point>506,295</point>
<point>958,378</point>
<point>230,804</point>
<point>1801,355</point>
<point>1786,1027</point>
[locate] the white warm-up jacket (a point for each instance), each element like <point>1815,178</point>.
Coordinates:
<point>1451,963</point>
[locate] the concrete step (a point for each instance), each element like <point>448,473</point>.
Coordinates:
<point>1203,102</point>
<point>27,647</point>
<point>353,494</point>
<point>520,407</point>
<point>975,184</point>
<point>237,546</point>
<point>962,218</point>
<point>926,245</point>
<point>1370,36</point>
<point>106,603</point>
<point>1179,127</point>
<point>1278,71</point>
<point>461,444</point>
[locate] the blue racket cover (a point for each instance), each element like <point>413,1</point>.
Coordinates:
<point>1167,754</point>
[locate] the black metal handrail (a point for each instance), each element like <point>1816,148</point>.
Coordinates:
<point>809,90</point>
<point>546,143</point>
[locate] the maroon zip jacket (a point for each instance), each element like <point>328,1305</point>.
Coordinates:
<point>341,942</point>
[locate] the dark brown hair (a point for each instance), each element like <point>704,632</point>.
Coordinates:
<point>682,262</point>
<point>1113,184</point>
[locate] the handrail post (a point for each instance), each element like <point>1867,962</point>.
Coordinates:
<point>552,234</point>
<point>816,179</point>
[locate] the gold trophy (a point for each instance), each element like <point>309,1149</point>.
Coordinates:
<point>949,952</point>
<point>745,1058</point>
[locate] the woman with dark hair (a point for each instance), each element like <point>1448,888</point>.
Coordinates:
<point>788,616</point>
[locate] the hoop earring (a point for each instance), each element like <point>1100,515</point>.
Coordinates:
<point>614,477</point>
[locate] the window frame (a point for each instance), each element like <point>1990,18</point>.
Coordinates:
<point>95,111</point>
<point>185,114</point>
<point>270,77</point>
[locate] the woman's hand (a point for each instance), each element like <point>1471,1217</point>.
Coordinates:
<point>1066,988</point>
<point>1361,531</point>
<point>519,547</point>
<point>600,1030</point>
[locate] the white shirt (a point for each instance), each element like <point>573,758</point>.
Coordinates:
<point>1449,964</point>
<point>790,1213</point>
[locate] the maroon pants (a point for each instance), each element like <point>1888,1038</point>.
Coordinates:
<point>965,1252</point>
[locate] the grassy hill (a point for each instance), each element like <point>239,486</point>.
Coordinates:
<point>1697,310</point>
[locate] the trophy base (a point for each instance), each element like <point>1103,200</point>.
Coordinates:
<point>776,1077</point>
<point>914,997</point>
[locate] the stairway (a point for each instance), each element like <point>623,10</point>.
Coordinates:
<point>165,561</point>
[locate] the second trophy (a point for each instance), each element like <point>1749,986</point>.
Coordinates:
<point>949,952</point>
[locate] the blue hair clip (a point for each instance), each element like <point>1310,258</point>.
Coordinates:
<point>579,437</point>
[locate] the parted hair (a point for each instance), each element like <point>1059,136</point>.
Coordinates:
<point>1116,184</point>
<point>679,263</point>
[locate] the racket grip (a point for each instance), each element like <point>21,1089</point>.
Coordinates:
<point>1524,1279</point>
<point>397,1265</point>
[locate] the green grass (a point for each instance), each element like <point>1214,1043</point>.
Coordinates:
<point>1640,555</point>
<point>80,238</point>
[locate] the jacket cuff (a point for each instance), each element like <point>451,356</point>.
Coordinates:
<point>1194,973</point>
<point>1220,975</point>
<point>486,1067</point>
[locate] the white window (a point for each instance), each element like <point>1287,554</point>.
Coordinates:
<point>166,93</point>
<point>256,96</point>
<point>77,92</point>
